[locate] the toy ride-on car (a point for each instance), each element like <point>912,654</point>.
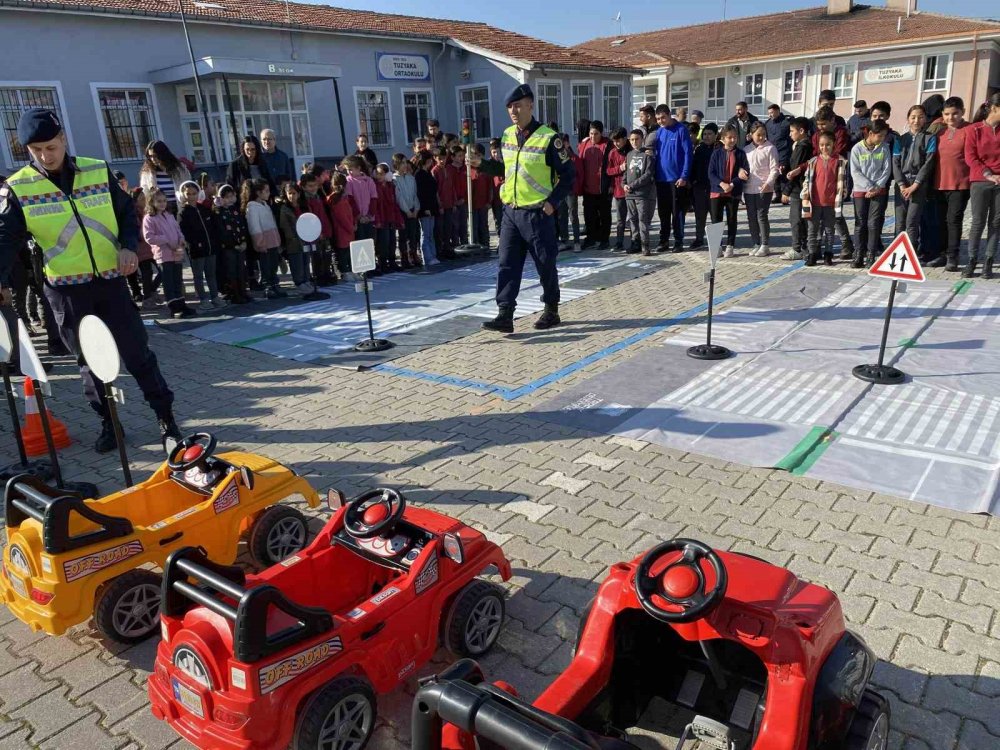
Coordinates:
<point>732,651</point>
<point>297,653</point>
<point>67,557</point>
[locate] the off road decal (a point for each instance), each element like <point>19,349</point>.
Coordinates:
<point>81,567</point>
<point>427,578</point>
<point>273,676</point>
<point>227,498</point>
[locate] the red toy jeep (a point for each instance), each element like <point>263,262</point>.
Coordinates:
<point>736,653</point>
<point>298,652</point>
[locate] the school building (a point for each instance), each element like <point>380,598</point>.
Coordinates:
<point>891,52</point>
<point>120,73</point>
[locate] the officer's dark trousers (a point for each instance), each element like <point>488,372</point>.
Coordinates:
<point>524,231</point>
<point>110,301</point>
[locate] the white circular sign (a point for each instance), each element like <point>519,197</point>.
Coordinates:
<point>308,227</point>
<point>31,365</point>
<point>6,343</point>
<point>99,348</point>
<point>392,67</point>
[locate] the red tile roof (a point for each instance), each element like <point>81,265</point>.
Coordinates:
<point>326,18</point>
<point>781,35</point>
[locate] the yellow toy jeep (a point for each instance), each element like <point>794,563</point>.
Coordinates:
<point>68,558</point>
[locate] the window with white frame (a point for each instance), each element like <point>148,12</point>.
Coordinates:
<point>791,90</point>
<point>643,94</point>
<point>679,95</point>
<point>612,106</point>
<point>716,93</point>
<point>129,122</point>
<point>14,101</point>
<point>416,113</point>
<point>474,104</point>
<point>753,89</point>
<point>549,100</point>
<point>842,80</point>
<point>936,72</point>
<point>373,116</point>
<point>583,102</point>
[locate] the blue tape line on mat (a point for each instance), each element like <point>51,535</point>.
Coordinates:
<point>510,394</point>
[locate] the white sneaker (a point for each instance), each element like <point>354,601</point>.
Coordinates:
<point>730,252</point>
<point>792,255</point>
<point>763,251</point>
<point>577,248</point>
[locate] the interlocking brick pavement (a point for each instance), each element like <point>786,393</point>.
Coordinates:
<point>919,583</point>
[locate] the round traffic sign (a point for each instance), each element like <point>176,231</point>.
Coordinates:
<point>308,227</point>
<point>99,348</point>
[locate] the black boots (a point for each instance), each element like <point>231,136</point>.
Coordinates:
<point>503,322</point>
<point>970,269</point>
<point>988,269</point>
<point>952,262</point>
<point>106,441</point>
<point>549,318</point>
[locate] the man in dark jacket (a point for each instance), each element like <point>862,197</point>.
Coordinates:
<point>278,163</point>
<point>777,126</point>
<point>857,122</point>
<point>742,121</point>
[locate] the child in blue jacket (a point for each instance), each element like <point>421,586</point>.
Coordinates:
<point>728,170</point>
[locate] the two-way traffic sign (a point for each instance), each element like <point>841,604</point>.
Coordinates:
<point>899,261</point>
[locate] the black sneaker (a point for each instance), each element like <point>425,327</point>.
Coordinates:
<point>696,244</point>
<point>170,434</point>
<point>106,441</point>
<point>502,323</point>
<point>548,319</point>
<point>677,248</point>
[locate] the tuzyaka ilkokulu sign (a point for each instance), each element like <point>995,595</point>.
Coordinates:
<point>398,67</point>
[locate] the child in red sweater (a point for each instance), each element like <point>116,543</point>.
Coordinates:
<point>460,219</point>
<point>616,171</point>
<point>822,198</point>
<point>386,221</point>
<point>314,202</point>
<point>482,197</point>
<point>446,201</point>
<point>344,215</point>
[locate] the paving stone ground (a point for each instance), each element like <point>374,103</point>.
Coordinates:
<point>919,583</point>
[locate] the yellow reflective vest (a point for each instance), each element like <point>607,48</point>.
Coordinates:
<point>528,181</point>
<point>77,233</point>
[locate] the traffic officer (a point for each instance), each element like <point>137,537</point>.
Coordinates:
<point>86,227</point>
<point>538,177</point>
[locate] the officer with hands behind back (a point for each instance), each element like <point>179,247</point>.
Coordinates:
<point>85,225</point>
<point>538,177</point>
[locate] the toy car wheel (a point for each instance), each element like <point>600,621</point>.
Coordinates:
<point>128,609</point>
<point>278,533</point>
<point>474,619</point>
<point>340,716</point>
<point>870,728</point>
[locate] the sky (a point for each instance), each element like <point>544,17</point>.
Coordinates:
<point>578,20</point>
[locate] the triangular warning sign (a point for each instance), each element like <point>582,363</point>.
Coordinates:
<point>899,261</point>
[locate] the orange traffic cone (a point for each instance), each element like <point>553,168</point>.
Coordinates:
<point>32,432</point>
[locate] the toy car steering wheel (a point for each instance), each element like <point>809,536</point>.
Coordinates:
<point>191,452</point>
<point>375,513</point>
<point>682,583</point>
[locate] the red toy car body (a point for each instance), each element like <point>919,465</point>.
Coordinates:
<point>274,658</point>
<point>761,658</point>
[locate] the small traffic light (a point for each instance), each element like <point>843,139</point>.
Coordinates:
<point>466,132</point>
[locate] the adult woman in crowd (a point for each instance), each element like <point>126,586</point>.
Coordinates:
<point>249,165</point>
<point>163,171</point>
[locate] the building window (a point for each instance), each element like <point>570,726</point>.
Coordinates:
<point>753,89</point>
<point>583,102</point>
<point>842,80</point>
<point>549,97</point>
<point>936,72</point>
<point>612,106</point>
<point>474,104</point>
<point>129,122</point>
<point>679,95</point>
<point>792,89</point>
<point>373,116</point>
<point>416,113</point>
<point>716,93</point>
<point>14,101</point>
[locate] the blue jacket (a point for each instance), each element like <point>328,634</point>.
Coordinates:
<point>717,170</point>
<point>673,153</point>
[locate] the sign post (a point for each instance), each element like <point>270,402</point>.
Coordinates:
<point>101,354</point>
<point>898,263</point>
<point>40,469</point>
<point>309,228</point>
<point>363,261</point>
<point>708,350</point>
<point>468,141</point>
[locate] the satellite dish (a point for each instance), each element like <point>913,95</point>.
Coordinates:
<point>308,227</point>
<point>6,343</point>
<point>99,348</point>
<point>31,365</point>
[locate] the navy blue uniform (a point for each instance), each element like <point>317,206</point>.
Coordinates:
<point>529,230</point>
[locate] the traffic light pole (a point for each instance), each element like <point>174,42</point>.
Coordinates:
<point>468,141</point>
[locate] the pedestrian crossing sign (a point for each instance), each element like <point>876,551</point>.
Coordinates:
<point>362,256</point>
<point>898,262</point>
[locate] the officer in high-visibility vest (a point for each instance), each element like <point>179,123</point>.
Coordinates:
<point>85,225</point>
<point>538,177</point>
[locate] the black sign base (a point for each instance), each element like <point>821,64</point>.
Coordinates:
<point>880,374</point>
<point>41,469</point>
<point>373,345</point>
<point>709,351</point>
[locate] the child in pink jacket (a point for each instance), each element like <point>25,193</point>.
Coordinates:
<point>161,230</point>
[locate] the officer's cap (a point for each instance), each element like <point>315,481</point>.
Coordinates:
<point>38,126</point>
<point>521,92</point>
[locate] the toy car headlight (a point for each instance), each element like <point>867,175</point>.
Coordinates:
<point>334,499</point>
<point>453,548</point>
